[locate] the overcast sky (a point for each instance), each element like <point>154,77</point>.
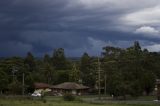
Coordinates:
<point>78,26</point>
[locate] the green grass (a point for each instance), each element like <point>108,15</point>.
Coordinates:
<point>147,98</point>
<point>58,101</point>
<point>39,103</point>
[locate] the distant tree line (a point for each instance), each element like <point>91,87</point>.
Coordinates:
<point>131,71</point>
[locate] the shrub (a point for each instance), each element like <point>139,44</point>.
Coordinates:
<point>44,100</point>
<point>69,97</point>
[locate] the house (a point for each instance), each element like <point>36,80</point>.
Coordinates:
<point>39,87</point>
<point>70,87</point>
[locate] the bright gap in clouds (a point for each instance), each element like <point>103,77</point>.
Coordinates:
<point>153,48</point>
<point>144,16</point>
<point>147,30</point>
<point>145,21</point>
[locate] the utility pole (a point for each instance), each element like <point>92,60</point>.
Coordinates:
<point>13,73</point>
<point>23,84</point>
<point>99,79</point>
<point>105,82</point>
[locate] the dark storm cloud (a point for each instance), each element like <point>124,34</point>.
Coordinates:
<point>36,23</point>
<point>43,26</point>
<point>40,26</point>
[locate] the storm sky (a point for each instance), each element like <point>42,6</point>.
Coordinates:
<point>78,26</point>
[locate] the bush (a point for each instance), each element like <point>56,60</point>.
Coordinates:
<point>44,100</point>
<point>69,97</point>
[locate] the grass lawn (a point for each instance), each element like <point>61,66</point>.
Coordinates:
<point>57,101</point>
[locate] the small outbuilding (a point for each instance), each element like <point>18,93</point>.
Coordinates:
<point>70,87</point>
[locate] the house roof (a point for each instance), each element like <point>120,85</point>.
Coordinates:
<point>70,86</point>
<point>41,85</point>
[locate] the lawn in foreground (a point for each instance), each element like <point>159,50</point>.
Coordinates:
<point>5,102</point>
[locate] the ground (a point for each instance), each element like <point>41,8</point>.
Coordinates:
<point>81,101</point>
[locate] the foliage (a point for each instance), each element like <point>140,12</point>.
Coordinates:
<point>88,70</point>
<point>3,81</point>
<point>30,62</point>
<point>59,59</point>
<point>69,97</point>
<point>61,76</point>
<point>74,74</point>
<point>15,87</point>
<point>130,71</point>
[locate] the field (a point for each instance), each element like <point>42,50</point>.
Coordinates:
<point>57,101</point>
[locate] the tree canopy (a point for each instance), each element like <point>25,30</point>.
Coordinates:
<point>131,71</point>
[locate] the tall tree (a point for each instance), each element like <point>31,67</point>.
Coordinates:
<point>113,82</point>
<point>30,62</point>
<point>3,80</point>
<point>46,59</point>
<point>88,70</point>
<point>128,71</point>
<point>59,59</point>
<point>74,75</point>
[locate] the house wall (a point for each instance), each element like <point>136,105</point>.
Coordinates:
<point>74,92</point>
<point>40,90</point>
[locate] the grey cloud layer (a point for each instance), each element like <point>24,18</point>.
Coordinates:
<point>76,25</point>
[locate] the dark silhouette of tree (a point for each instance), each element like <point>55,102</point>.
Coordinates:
<point>59,59</point>
<point>30,62</point>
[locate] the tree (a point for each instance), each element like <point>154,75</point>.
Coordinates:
<point>114,83</point>
<point>30,62</point>
<point>155,63</point>
<point>149,76</point>
<point>61,76</point>
<point>3,81</point>
<point>15,87</point>
<point>48,73</point>
<point>46,59</point>
<point>59,59</point>
<point>129,71</point>
<point>74,75</point>
<point>88,70</point>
